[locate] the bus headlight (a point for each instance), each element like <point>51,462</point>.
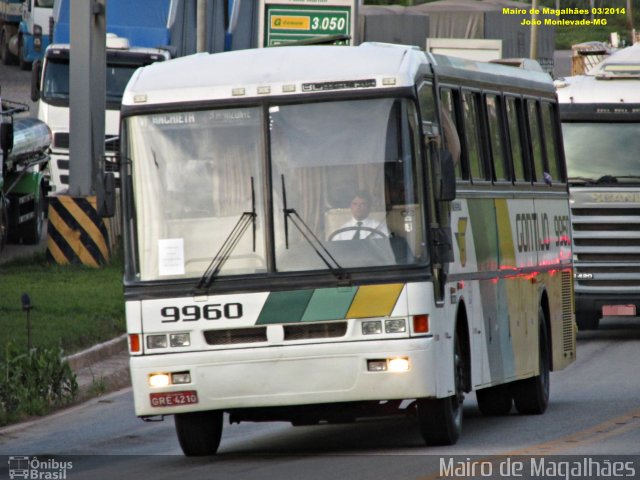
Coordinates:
<point>395,326</point>
<point>372,327</point>
<point>156,341</point>
<point>395,364</point>
<point>179,340</point>
<point>157,380</point>
<point>400,364</point>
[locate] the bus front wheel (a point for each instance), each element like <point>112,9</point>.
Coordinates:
<point>199,433</point>
<point>440,419</point>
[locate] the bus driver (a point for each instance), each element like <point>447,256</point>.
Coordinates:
<point>361,226</point>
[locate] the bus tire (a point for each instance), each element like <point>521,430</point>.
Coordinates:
<point>588,319</point>
<point>199,433</point>
<point>440,419</point>
<point>31,231</point>
<point>495,401</point>
<point>531,396</point>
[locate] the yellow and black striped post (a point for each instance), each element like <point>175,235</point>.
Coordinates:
<point>76,233</point>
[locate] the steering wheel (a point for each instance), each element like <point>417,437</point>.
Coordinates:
<point>372,232</point>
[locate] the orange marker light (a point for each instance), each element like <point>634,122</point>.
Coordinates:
<point>134,343</point>
<point>421,323</point>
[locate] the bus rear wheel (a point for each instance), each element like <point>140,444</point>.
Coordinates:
<point>199,433</point>
<point>440,419</point>
<point>531,396</point>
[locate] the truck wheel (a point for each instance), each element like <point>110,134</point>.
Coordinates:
<point>5,54</point>
<point>31,232</point>
<point>531,396</point>
<point>199,433</point>
<point>24,65</point>
<point>588,319</point>
<point>440,419</point>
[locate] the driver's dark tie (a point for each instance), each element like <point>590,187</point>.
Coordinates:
<point>356,236</point>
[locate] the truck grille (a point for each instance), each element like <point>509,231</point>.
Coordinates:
<point>61,140</point>
<point>606,246</point>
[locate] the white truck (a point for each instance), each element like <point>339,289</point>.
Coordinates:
<point>600,113</point>
<point>50,87</point>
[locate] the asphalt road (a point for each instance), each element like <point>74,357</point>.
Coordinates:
<point>594,415</point>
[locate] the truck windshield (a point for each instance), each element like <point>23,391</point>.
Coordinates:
<point>596,151</point>
<point>331,165</point>
<point>55,85</point>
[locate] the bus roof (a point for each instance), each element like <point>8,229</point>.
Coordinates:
<point>276,71</point>
<point>304,69</point>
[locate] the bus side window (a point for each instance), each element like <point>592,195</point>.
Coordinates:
<point>551,141</point>
<point>520,171</point>
<point>471,133</point>
<point>495,122</point>
<point>450,132</point>
<point>536,140</point>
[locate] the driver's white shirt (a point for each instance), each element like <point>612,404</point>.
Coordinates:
<point>367,222</point>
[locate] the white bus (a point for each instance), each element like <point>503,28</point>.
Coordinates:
<point>600,114</point>
<point>238,172</point>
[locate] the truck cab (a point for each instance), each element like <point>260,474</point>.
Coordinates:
<point>50,88</point>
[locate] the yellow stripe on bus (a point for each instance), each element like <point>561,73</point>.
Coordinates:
<point>374,300</point>
<point>505,240</point>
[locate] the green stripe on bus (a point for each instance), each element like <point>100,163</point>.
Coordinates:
<point>284,307</point>
<point>485,235</point>
<point>329,304</point>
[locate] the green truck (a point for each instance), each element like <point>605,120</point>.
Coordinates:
<point>24,146</point>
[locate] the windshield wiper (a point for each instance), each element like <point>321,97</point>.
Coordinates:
<point>290,214</point>
<point>229,244</point>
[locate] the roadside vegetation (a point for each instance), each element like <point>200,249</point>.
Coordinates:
<point>73,307</point>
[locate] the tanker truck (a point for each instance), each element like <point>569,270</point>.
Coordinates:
<point>24,146</point>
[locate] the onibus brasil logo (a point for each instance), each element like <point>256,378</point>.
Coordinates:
<point>32,468</point>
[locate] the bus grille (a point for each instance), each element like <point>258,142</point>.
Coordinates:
<point>233,336</point>
<point>303,331</point>
<point>315,330</point>
<point>606,247</point>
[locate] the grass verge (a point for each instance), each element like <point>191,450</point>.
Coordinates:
<point>74,306</point>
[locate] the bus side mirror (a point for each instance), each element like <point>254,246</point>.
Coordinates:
<point>36,73</point>
<point>447,177</point>
<point>107,199</point>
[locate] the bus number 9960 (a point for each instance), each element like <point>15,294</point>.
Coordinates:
<point>193,313</point>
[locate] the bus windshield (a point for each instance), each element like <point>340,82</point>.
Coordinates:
<point>198,175</point>
<point>597,151</point>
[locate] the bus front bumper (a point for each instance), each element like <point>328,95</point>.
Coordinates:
<point>285,376</point>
